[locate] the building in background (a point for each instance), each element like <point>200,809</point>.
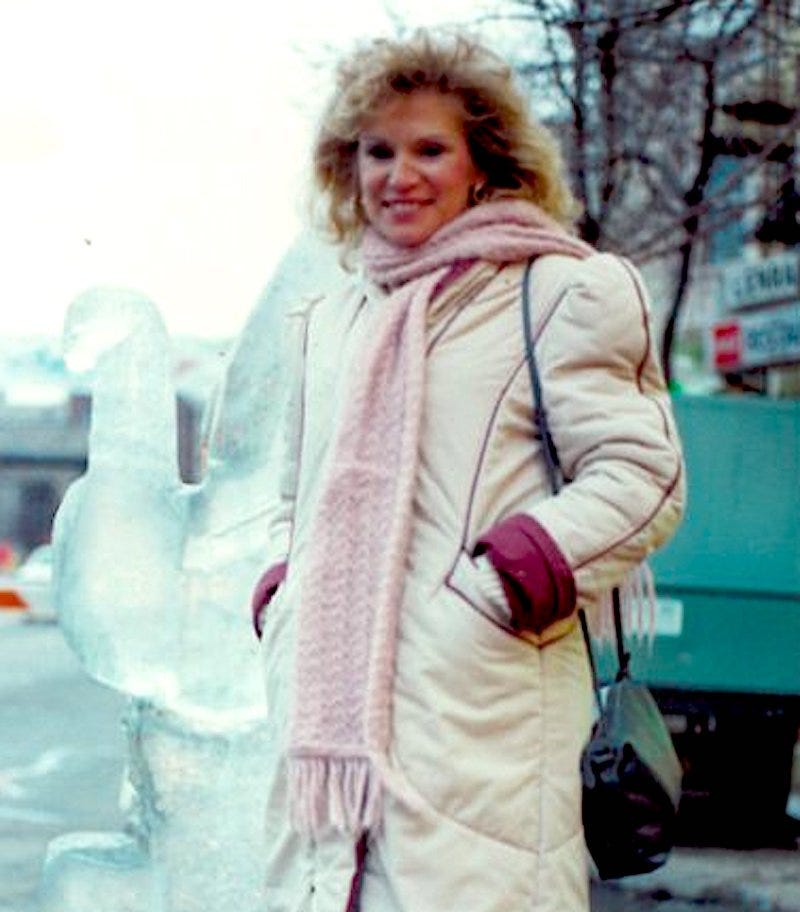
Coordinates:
<point>44,429</point>
<point>743,301</point>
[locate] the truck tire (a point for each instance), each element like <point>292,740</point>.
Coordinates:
<point>737,774</point>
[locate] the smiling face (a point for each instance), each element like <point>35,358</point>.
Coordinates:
<point>415,169</point>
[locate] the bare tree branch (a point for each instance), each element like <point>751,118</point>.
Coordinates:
<point>647,96</point>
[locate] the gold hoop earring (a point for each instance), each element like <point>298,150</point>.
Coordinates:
<point>477,194</point>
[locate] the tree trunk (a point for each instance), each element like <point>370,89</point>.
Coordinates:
<point>694,197</point>
<point>670,328</point>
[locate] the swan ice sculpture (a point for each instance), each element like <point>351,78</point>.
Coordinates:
<point>153,579</point>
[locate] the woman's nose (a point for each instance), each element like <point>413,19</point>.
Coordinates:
<point>403,172</point>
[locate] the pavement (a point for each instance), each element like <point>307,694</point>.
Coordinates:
<point>61,757</point>
<point>753,878</point>
<point>62,751</point>
<point>761,879</point>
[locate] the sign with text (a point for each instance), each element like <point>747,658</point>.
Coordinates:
<point>761,338</point>
<point>767,281</point>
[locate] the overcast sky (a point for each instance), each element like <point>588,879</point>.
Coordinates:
<point>161,145</point>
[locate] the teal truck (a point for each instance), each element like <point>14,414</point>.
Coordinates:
<point>725,662</point>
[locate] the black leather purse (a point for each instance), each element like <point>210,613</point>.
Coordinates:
<point>630,772</point>
<point>631,775</point>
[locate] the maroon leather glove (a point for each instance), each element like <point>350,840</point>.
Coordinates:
<point>537,580</point>
<point>266,587</point>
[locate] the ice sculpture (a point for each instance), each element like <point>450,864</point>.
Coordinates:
<point>153,579</point>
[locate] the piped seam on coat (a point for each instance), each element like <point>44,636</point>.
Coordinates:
<point>460,308</point>
<point>490,425</point>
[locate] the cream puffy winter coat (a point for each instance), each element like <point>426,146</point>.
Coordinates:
<point>488,720</point>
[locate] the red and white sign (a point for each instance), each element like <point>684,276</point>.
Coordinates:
<point>727,345</point>
<point>757,339</point>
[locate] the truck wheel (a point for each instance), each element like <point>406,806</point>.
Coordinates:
<point>738,772</point>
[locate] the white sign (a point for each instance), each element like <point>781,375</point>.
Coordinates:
<point>758,339</point>
<point>669,617</point>
<point>766,281</point>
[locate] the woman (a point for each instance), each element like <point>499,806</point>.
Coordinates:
<point>427,683</point>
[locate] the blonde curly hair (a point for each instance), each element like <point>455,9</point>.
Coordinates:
<point>516,154</point>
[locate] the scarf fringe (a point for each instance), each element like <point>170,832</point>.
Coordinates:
<point>342,793</point>
<point>639,605</point>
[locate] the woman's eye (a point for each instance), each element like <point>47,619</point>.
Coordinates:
<point>431,150</point>
<point>379,151</point>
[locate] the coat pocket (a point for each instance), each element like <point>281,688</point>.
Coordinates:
<point>477,584</point>
<point>273,621</point>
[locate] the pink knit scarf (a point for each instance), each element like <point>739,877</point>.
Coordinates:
<point>352,582</point>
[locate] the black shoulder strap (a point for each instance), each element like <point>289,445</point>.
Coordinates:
<point>556,479</point>
<point>551,459</point>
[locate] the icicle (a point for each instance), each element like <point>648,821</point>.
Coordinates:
<point>638,606</point>
<point>638,595</point>
<point>651,601</point>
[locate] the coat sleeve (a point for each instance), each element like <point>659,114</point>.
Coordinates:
<point>611,420</point>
